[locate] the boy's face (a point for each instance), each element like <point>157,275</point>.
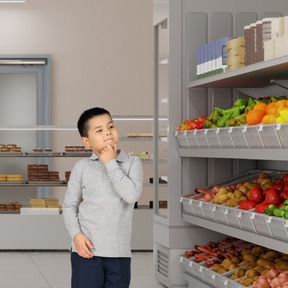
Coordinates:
<point>102,132</point>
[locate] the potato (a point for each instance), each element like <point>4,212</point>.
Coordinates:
<point>264,271</point>
<point>222,191</point>
<point>271,253</point>
<point>251,273</point>
<point>219,269</point>
<point>258,250</point>
<point>251,265</point>
<point>230,195</point>
<point>232,266</point>
<point>239,272</point>
<point>243,198</point>
<point>248,281</point>
<point>259,269</point>
<point>243,189</point>
<point>222,198</point>
<point>238,194</point>
<point>246,251</point>
<point>282,266</point>
<point>226,263</point>
<point>266,263</point>
<point>236,260</point>
<point>250,258</point>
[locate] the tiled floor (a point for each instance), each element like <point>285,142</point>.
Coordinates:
<point>52,270</point>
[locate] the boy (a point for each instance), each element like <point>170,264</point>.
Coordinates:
<point>109,183</point>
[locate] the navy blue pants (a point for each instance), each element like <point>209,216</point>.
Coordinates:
<point>100,272</point>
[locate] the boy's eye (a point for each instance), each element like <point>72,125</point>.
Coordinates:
<point>112,126</point>
<point>98,131</point>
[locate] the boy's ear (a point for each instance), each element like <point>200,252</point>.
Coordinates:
<point>85,141</point>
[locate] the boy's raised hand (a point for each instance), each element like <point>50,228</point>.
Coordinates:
<point>82,245</point>
<point>108,153</point>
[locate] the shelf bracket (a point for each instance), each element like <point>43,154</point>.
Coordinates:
<point>281,83</point>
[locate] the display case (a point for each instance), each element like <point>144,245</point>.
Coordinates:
<point>211,156</point>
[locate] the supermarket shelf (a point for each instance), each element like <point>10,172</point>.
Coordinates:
<point>45,154</point>
<point>238,233</point>
<point>34,183</point>
<point>259,154</point>
<point>255,75</point>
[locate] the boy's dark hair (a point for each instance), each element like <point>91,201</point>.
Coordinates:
<point>82,123</point>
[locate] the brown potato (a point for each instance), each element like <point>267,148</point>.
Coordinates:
<point>232,266</point>
<point>236,260</point>
<point>251,273</point>
<point>238,194</point>
<point>250,258</point>
<point>246,251</point>
<point>259,269</point>
<point>266,263</point>
<point>226,263</point>
<point>281,266</point>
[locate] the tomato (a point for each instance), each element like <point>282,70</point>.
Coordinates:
<point>199,124</point>
<point>272,197</point>
<point>261,207</point>
<point>256,195</point>
<point>247,205</point>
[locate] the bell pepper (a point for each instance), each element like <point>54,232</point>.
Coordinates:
<point>247,205</point>
<point>207,124</point>
<point>251,102</point>
<point>241,102</point>
<point>255,194</point>
<point>261,207</point>
<point>269,211</point>
<point>272,197</point>
<point>221,122</point>
<point>278,212</point>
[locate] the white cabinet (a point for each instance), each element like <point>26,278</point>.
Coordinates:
<point>192,24</point>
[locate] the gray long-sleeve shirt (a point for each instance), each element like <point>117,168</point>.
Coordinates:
<point>109,192</point>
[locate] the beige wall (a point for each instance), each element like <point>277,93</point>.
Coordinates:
<point>101,52</point>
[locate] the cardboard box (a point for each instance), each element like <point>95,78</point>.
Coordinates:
<point>269,49</point>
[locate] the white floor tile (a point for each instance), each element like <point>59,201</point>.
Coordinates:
<point>52,270</point>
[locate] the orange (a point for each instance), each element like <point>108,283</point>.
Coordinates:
<point>280,108</point>
<point>269,119</point>
<point>270,106</point>
<point>281,103</point>
<point>255,116</point>
<point>260,106</point>
<point>273,111</point>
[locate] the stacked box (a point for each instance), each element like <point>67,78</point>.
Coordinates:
<point>236,53</point>
<point>212,58</point>
<point>40,173</point>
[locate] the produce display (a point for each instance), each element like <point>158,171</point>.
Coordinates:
<point>249,111</point>
<point>263,194</point>
<point>240,261</point>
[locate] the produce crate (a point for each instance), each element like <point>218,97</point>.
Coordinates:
<point>225,138</point>
<point>197,208</point>
<point>187,205</point>
<point>282,132</point>
<point>207,208</point>
<point>208,274</point>
<point>279,227</point>
<point>246,220</point>
<point>253,137</point>
<point>192,139</point>
<point>182,140</point>
<point>269,136</point>
<point>232,217</point>
<point>201,138</point>
<point>219,214</point>
<point>261,224</point>
<point>237,136</point>
<point>212,137</point>
<point>190,266</point>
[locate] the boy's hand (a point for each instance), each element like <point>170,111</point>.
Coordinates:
<point>108,153</point>
<point>82,245</point>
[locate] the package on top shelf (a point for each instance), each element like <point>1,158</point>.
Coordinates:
<point>212,58</point>
<point>236,53</point>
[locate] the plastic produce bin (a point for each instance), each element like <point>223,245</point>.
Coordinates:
<point>219,214</point>
<point>225,138</point>
<point>182,140</point>
<point>197,208</point>
<point>191,138</point>
<point>212,138</point>
<point>208,275</point>
<point>269,136</point>
<point>282,132</point>
<point>237,136</point>
<point>232,217</point>
<point>261,224</point>
<point>253,137</point>
<point>279,228</point>
<point>189,266</point>
<point>208,211</point>
<point>246,220</point>
<point>187,205</point>
<point>201,138</point>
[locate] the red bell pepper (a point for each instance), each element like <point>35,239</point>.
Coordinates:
<point>256,194</point>
<point>247,205</point>
<point>272,197</point>
<point>260,208</point>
